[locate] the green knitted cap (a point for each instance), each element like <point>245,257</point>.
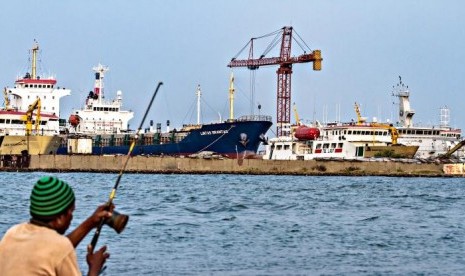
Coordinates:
<point>50,197</point>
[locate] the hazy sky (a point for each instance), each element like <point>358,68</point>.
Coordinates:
<point>365,45</point>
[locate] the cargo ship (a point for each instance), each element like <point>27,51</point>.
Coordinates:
<point>29,119</point>
<point>102,128</point>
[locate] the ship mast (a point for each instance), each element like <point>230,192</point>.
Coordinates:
<point>35,49</point>
<point>231,97</point>
<point>98,86</point>
<point>198,93</point>
<point>405,111</point>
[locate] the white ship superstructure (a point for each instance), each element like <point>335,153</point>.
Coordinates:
<point>99,116</point>
<point>27,90</point>
<point>433,141</point>
<point>33,101</point>
<point>338,141</point>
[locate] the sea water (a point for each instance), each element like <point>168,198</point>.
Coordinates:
<point>266,225</point>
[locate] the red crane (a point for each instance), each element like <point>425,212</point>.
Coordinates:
<point>285,61</point>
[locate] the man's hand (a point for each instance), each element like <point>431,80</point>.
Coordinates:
<point>102,212</point>
<point>96,260</point>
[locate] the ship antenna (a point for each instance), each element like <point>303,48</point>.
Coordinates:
<point>131,148</point>
<point>198,93</point>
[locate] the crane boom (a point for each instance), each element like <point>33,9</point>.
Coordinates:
<point>297,118</point>
<point>452,150</point>
<point>315,57</point>
<point>284,72</point>
<point>7,100</point>
<point>392,130</point>
<point>360,119</point>
<point>35,105</point>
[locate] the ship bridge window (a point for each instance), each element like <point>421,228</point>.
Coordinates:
<point>279,147</point>
<point>325,146</point>
<point>16,122</point>
<point>318,146</point>
<point>2,121</point>
<point>339,145</point>
<point>333,145</point>
<point>286,147</point>
<point>349,132</point>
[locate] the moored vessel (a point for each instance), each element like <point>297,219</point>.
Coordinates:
<point>29,120</point>
<point>337,142</point>
<point>89,134</point>
<point>362,139</point>
<point>433,141</point>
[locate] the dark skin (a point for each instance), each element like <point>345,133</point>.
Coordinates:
<point>96,259</point>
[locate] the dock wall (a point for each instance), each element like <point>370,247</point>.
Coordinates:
<point>145,164</point>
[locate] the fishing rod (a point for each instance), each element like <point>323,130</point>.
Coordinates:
<point>118,221</point>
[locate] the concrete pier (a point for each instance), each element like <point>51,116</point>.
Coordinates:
<point>149,164</point>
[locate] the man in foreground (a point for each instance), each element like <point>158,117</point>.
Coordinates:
<point>39,247</point>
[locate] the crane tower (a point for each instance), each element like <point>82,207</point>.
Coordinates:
<point>284,72</point>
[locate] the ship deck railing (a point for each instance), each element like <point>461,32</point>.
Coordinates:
<point>252,118</point>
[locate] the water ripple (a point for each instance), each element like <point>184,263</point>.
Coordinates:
<point>268,225</point>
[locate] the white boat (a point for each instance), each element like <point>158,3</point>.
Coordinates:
<point>337,142</point>
<point>34,100</point>
<point>361,139</point>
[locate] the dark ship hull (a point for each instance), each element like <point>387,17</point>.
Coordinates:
<point>237,138</point>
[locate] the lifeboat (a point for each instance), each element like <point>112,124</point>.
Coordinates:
<point>307,133</point>
<point>74,120</point>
